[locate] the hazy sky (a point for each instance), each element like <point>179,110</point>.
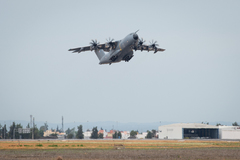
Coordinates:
<point>197,78</point>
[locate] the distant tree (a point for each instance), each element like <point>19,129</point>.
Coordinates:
<point>70,136</point>
<point>46,126</point>
<point>70,133</point>
<point>235,124</point>
<point>119,135</point>
<point>41,131</point>
<point>219,124</point>
<point>149,135</point>
<point>133,133</point>
<point>57,129</point>
<point>80,134</point>
<point>17,136</point>
<point>115,135</point>
<point>94,134</point>
<point>36,132</point>
<point>100,135</point>
<point>154,133</point>
<point>28,126</point>
<point>42,128</point>
<point>0,131</point>
<point>10,133</point>
<point>13,132</point>
<point>4,132</point>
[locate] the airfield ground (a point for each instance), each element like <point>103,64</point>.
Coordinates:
<point>119,149</point>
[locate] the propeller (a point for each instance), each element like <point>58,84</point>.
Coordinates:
<point>94,44</point>
<point>110,43</point>
<point>140,43</point>
<point>153,45</point>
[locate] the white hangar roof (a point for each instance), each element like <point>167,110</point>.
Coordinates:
<point>189,125</point>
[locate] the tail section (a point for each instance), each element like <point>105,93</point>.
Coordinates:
<point>100,53</point>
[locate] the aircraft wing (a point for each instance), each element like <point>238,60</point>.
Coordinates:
<point>147,48</point>
<point>87,48</point>
<point>105,46</point>
<point>160,49</point>
<point>80,49</point>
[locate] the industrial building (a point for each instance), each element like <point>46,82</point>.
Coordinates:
<point>188,131</point>
<point>229,132</point>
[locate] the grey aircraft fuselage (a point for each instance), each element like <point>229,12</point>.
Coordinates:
<point>123,49</point>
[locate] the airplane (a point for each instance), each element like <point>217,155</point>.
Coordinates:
<point>117,51</point>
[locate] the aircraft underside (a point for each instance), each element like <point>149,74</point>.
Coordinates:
<point>117,57</point>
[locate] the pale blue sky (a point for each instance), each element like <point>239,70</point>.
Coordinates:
<point>197,78</point>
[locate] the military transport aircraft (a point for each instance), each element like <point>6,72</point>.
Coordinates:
<point>121,50</point>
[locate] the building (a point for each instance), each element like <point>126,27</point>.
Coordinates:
<point>125,134</point>
<point>61,135</point>
<point>188,131</point>
<point>142,135</point>
<point>109,135</point>
<point>87,134</point>
<point>47,133</point>
<point>103,132</point>
<point>229,132</point>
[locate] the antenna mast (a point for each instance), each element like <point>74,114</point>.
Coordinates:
<point>62,125</point>
<point>33,128</point>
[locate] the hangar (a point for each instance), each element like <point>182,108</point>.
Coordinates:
<point>229,132</point>
<point>188,131</point>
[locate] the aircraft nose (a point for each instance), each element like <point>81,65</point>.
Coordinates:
<point>135,36</point>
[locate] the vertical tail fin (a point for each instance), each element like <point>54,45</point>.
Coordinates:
<point>100,53</point>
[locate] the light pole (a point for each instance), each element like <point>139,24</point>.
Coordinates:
<point>159,131</point>
<point>87,125</point>
<point>4,129</point>
<point>13,132</point>
<point>117,126</point>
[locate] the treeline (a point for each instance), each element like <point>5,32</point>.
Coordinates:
<point>233,124</point>
<point>12,131</point>
<point>37,133</point>
<point>71,133</point>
